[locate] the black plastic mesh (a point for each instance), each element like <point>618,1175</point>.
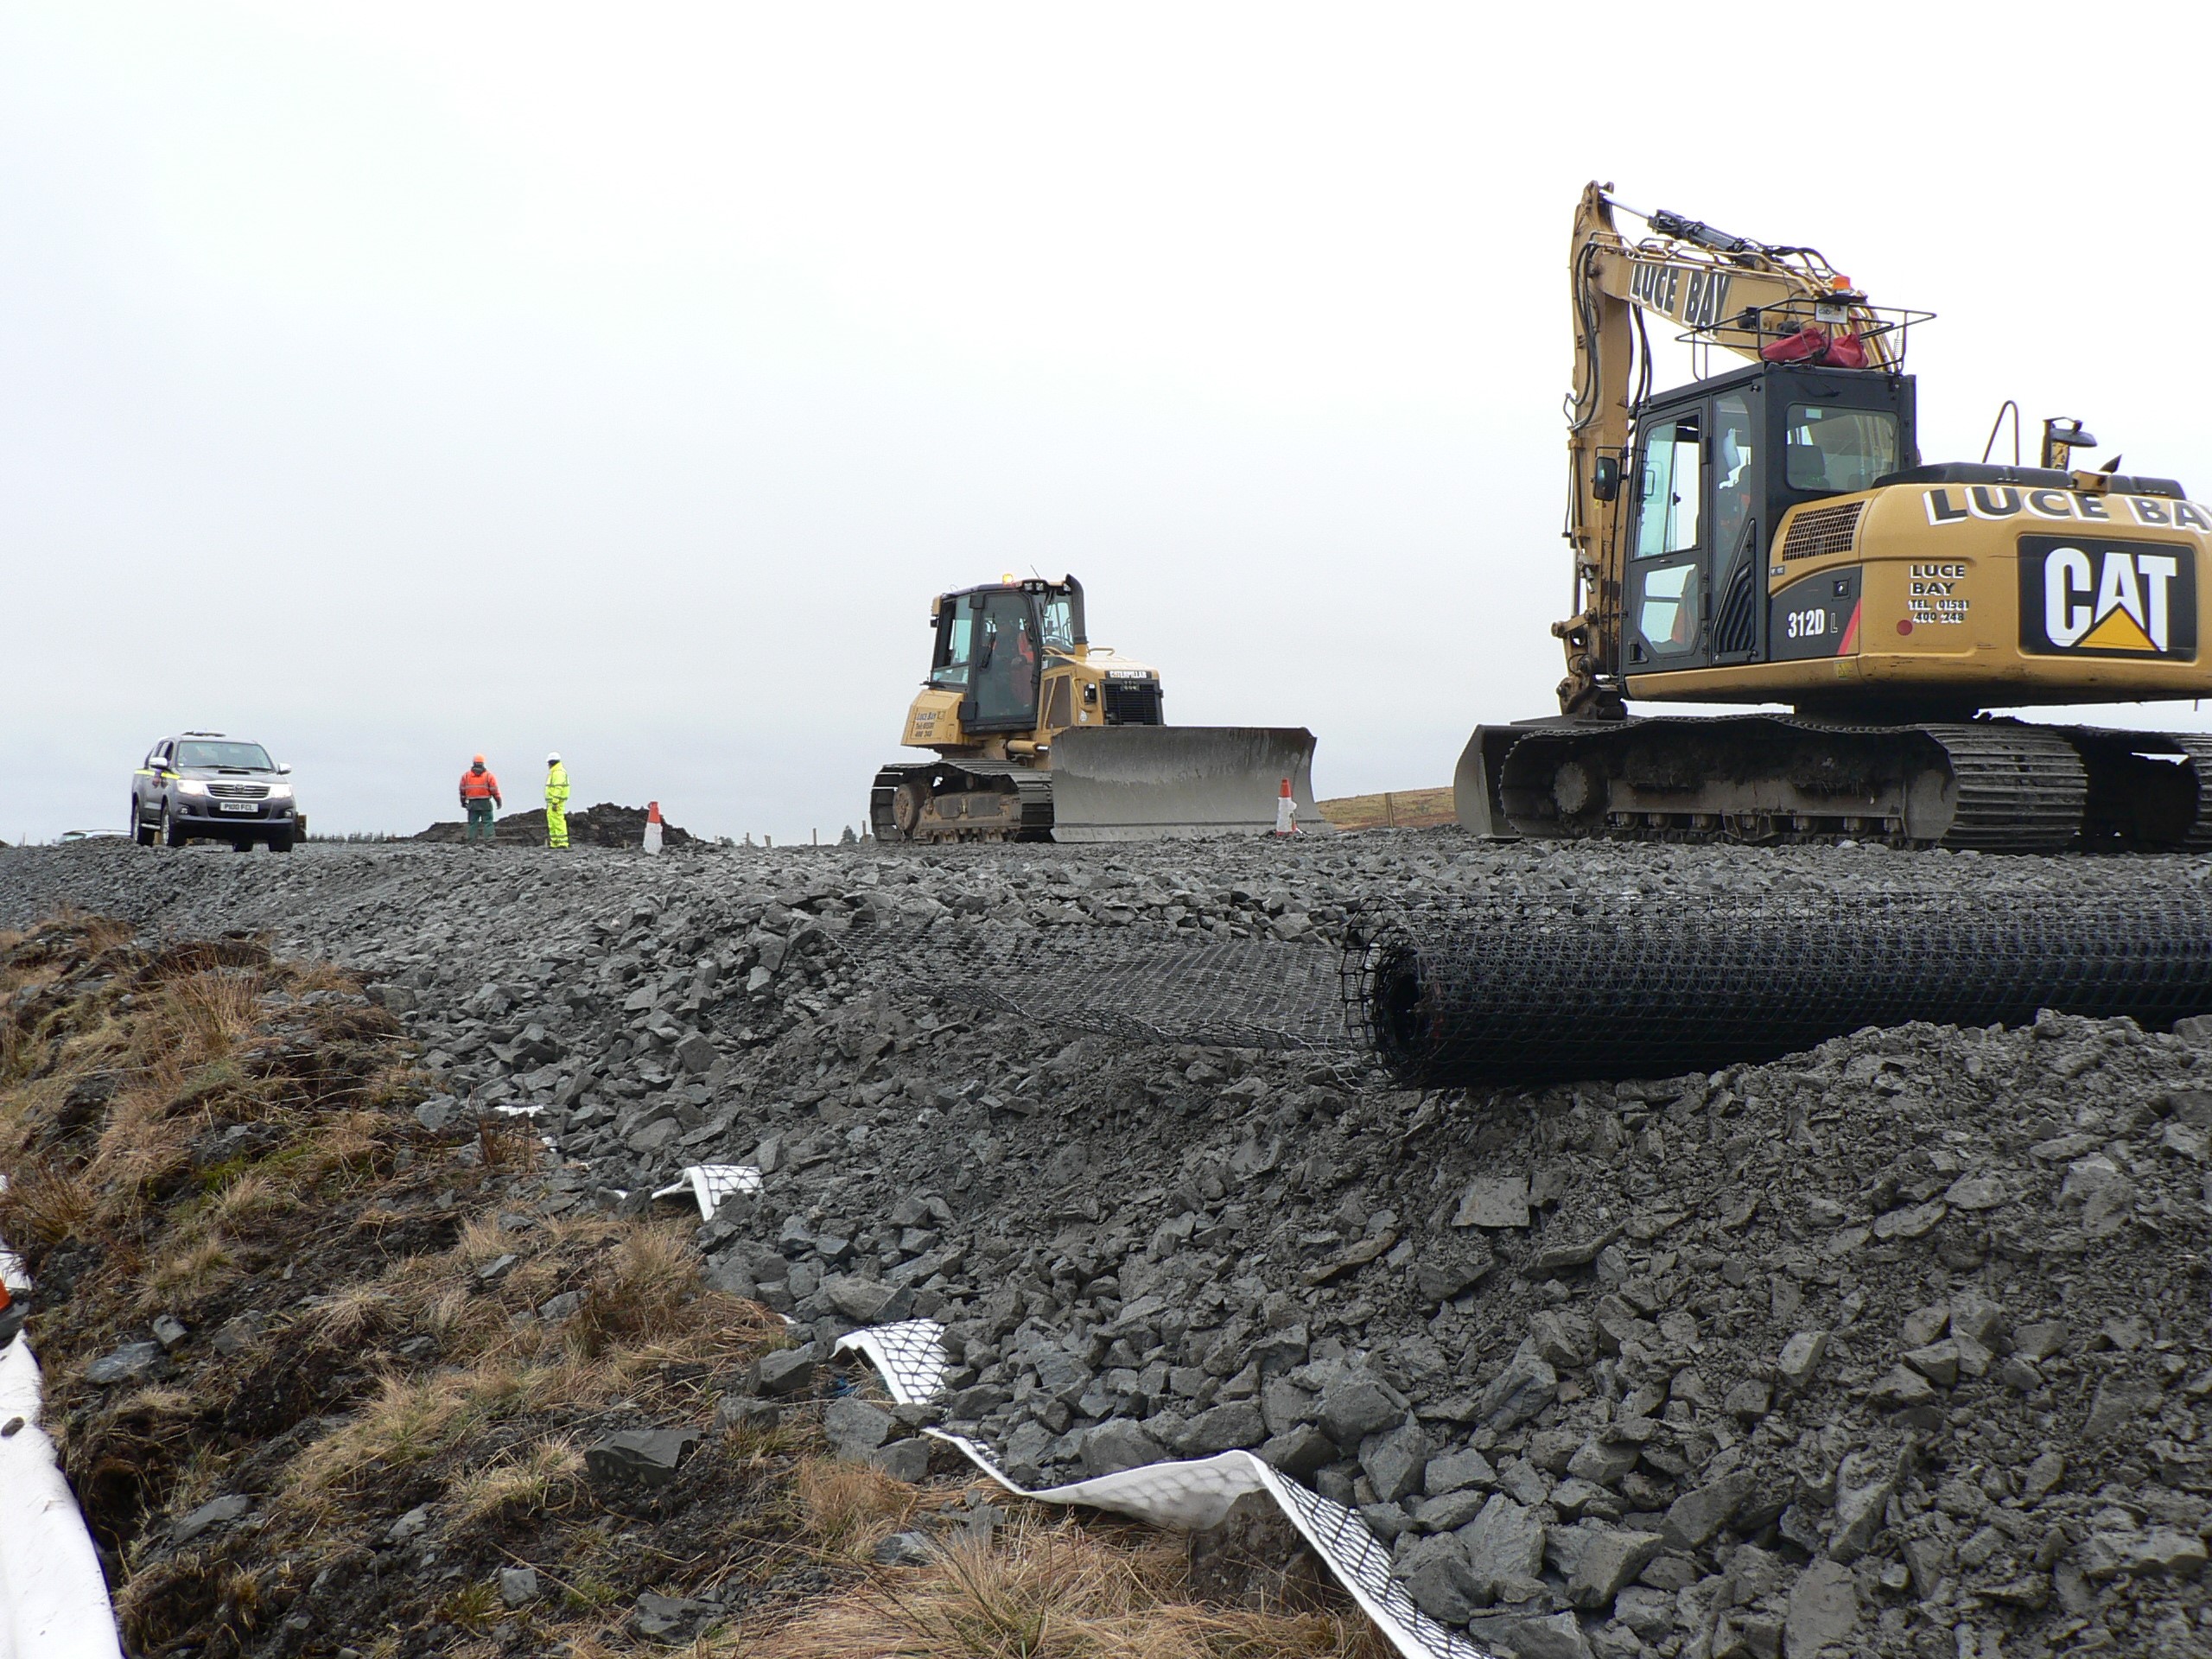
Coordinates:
<point>1140,988</point>
<point>1503,992</point>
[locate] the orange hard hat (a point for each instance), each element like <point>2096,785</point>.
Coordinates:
<point>477,761</point>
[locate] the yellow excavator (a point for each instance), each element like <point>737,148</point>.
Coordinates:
<point>1041,735</point>
<point>1770,534</point>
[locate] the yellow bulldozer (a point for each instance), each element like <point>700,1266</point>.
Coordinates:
<point>1041,735</point>
<point>1770,533</point>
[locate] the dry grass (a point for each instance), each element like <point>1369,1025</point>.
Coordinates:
<point>849,1508</point>
<point>215,1010</point>
<point>248,1199</point>
<point>411,1420</point>
<point>193,1268</point>
<point>644,1295</point>
<point>356,1311</point>
<point>533,1479</point>
<point>1046,1591</point>
<point>44,1205</point>
<point>141,1151</point>
<point>1401,809</point>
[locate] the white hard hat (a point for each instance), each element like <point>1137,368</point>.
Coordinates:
<point>553,759</point>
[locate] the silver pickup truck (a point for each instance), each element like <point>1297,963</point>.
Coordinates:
<point>205,786</point>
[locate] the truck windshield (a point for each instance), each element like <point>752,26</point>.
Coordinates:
<point>252,756</point>
<point>1838,450</point>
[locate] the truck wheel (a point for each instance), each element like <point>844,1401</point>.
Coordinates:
<point>139,832</point>
<point>243,845</point>
<point>281,841</point>
<point>171,831</point>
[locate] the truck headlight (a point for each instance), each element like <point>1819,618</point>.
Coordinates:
<point>190,786</point>
<point>280,792</point>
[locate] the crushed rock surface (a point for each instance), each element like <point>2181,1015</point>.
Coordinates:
<point>1898,1346</point>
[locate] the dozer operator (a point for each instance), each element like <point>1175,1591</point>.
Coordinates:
<point>1770,534</point>
<point>1041,735</point>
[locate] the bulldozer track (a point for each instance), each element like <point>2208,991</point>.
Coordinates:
<point>1032,788</point>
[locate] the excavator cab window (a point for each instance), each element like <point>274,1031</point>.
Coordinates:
<point>1668,617</point>
<point>1669,591</point>
<point>1672,487</point>
<point>1838,451</point>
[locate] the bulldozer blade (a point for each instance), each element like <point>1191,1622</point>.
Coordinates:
<point>1140,783</point>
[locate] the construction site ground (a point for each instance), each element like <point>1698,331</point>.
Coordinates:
<point>1898,1346</point>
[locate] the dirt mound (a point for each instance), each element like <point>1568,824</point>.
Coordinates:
<point>604,825</point>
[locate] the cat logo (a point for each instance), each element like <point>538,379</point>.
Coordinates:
<point>2113,598</point>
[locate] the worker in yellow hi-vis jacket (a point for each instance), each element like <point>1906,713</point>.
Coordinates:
<point>556,802</point>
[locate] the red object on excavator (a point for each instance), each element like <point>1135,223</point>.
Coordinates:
<point>1795,348</point>
<point>1844,352</point>
<point>1813,344</point>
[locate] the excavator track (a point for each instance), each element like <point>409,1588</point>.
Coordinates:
<point>2146,789</point>
<point>2020,789</point>
<point>961,800</point>
<point>1992,786</point>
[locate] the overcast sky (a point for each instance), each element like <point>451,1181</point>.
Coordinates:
<point>389,382</point>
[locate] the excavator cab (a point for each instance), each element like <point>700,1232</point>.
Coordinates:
<point>1716,465</point>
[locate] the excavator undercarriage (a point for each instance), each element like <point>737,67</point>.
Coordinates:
<point>1991,785</point>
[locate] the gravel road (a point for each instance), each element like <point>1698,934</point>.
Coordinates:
<point>1896,1346</point>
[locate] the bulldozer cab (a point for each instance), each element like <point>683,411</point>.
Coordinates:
<point>1716,465</point>
<point>994,644</point>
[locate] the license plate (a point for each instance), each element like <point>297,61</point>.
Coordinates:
<point>239,806</point>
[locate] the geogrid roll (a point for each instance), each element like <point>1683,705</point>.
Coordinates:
<point>1505,992</point>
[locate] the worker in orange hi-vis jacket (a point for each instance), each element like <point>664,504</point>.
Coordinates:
<point>480,793</point>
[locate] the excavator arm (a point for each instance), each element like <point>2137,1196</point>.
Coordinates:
<point>1747,298</point>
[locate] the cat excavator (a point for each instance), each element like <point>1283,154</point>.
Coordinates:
<point>1041,735</point>
<point>1769,533</point>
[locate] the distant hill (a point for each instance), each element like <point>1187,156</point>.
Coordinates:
<point>1401,809</point>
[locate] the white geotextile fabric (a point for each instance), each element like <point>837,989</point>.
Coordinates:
<point>710,1183</point>
<point>52,1598</point>
<point>1190,1495</point>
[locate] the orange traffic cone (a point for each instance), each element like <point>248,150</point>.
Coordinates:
<point>652,826</point>
<point>1286,812</point>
